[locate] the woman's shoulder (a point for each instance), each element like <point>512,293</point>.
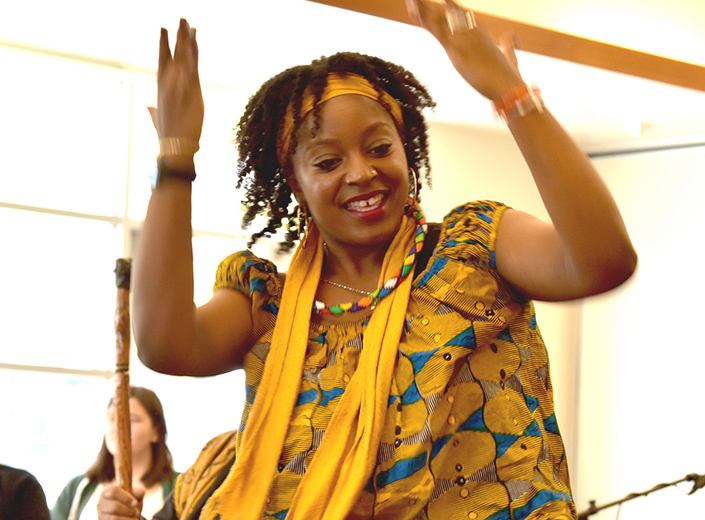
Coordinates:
<point>243,270</point>
<point>245,260</point>
<point>79,486</point>
<point>470,231</point>
<point>475,212</point>
<point>75,482</point>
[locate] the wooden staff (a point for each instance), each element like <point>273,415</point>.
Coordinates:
<point>121,400</point>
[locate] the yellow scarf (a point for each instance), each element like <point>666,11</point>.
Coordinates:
<point>347,456</point>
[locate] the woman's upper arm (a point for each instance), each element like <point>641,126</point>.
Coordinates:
<point>221,335</point>
<point>528,256</point>
<point>531,257</point>
<point>224,331</point>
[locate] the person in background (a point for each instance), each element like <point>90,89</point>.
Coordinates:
<point>153,474</point>
<point>21,495</point>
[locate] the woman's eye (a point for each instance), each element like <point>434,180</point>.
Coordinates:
<point>326,164</point>
<point>381,150</point>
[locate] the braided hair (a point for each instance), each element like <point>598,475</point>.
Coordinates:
<point>259,169</point>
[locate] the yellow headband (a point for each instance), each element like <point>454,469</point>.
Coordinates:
<point>339,84</point>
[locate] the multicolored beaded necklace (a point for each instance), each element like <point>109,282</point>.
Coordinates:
<point>372,299</point>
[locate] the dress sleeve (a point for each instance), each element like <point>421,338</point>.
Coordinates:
<point>257,279</point>
<point>469,233</point>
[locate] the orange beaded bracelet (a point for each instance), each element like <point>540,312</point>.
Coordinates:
<point>518,102</point>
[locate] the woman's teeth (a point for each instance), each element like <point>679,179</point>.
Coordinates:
<point>364,205</point>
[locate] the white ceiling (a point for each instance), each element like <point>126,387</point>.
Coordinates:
<point>243,42</point>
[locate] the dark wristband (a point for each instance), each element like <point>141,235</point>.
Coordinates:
<point>165,173</point>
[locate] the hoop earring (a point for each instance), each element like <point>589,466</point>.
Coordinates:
<point>415,198</point>
<point>303,224</point>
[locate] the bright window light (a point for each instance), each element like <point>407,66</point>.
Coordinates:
<point>65,129</point>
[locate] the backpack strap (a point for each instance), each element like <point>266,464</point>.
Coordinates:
<point>433,233</point>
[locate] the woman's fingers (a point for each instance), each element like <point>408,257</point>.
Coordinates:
<point>183,38</point>
<point>194,52</point>
<point>164,52</point>
<point>431,16</point>
<point>153,114</point>
<point>179,111</point>
<point>186,49</point>
<point>412,7</point>
<point>472,49</point>
<point>186,53</point>
<point>509,42</point>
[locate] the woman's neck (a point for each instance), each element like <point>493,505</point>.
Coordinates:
<point>348,274</point>
<point>140,467</point>
<point>359,264</point>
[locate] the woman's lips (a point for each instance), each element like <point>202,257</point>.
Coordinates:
<point>365,205</point>
<point>370,208</point>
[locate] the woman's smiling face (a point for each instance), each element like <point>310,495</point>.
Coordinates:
<point>352,174</point>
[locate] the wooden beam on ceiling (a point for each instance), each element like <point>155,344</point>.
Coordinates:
<point>555,44</point>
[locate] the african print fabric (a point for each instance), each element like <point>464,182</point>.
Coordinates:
<point>470,429</point>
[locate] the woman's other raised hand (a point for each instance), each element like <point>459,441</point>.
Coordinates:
<point>487,64</point>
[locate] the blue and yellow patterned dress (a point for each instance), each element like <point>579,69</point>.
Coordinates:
<point>470,431</point>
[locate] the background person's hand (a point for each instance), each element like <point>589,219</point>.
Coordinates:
<point>115,503</point>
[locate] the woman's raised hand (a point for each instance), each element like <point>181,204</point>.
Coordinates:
<point>179,111</point>
<point>488,65</point>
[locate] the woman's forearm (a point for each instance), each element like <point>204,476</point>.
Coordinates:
<point>163,278</point>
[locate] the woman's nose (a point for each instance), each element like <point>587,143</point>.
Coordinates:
<point>361,173</point>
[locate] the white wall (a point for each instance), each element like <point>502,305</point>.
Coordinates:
<point>626,365</point>
<point>641,416</point>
